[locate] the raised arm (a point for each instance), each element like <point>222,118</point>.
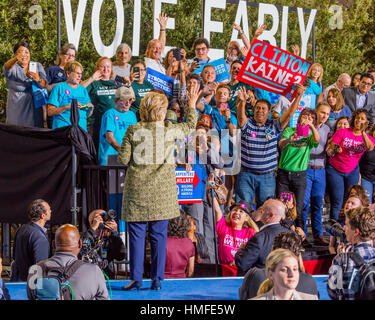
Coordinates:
<point>163,18</point>
<point>241,106</point>
<point>285,118</point>
<point>244,39</point>
<point>218,212</point>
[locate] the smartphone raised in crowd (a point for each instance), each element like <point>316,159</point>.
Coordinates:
<point>302,131</point>
<point>137,70</point>
<point>223,108</point>
<point>32,66</point>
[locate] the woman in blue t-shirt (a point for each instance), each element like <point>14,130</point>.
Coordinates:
<point>338,107</point>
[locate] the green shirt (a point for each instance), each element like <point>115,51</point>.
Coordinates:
<point>140,90</point>
<point>295,156</point>
<point>102,95</point>
<point>234,93</point>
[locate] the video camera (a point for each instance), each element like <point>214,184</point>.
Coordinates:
<point>335,229</point>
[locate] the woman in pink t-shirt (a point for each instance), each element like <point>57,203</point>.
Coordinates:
<point>233,231</point>
<point>345,149</point>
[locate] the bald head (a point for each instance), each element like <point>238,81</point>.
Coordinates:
<point>344,80</point>
<point>273,211</point>
<point>67,239</point>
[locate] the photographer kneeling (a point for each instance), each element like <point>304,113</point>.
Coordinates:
<point>101,243</point>
<point>359,229</point>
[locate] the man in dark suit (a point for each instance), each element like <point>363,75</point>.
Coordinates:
<point>256,250</point>
<point>359,97</point>
<point>31,243</point>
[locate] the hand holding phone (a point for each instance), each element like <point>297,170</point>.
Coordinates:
<point>302,131</point>
<point>223,108</point>
<point>137,73</point>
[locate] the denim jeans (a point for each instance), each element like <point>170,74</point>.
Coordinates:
<point>315,189</point>
<point>369,187</point>
<point>338,184</point>
<point>294,181</point>
<point>249,185</point>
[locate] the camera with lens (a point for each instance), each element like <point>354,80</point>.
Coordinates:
<point>109,215</point>
<point>335,229</point>
<point>177,54</point>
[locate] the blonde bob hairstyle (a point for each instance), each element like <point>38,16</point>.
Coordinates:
<point>248,223</point>
<point>321,71</point>
<point>274,258</point>
<point>153,107</point>
<point>72,66</point>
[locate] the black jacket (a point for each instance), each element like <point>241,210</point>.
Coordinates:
<point>258,247</point>
<point>31,245</point>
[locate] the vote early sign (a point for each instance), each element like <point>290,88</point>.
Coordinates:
<point>273,69</point>
<point>189,186</point>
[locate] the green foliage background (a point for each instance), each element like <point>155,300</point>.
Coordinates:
<point>349,50</point>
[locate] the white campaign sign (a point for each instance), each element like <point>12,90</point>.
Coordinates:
<point>210,26</point>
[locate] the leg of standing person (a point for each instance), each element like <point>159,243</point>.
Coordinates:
<point>282,182</point>
<point>266,185</point>
<point>158,241</point>
<point>195,210</point>
<point>317,195</point>
<point>137,236</point>
<point>350,179</point>
<point>369,187</point>
<point>336,190</point>
<point>298,186</point>
<point>245,187</point>
<point>307,200</point>
<point>209,227</point>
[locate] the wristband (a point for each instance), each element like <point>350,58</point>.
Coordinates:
<point>162,29</point>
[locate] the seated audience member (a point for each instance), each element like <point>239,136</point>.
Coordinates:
<point>102,238</point>
<point>233,231</point>
<point>352,202</point>
<point>139,84</point>
<point>345,150</point>
<point>255,252</point>
<point>358,97</point>
<point>338,107</point>
<point>87,282</point>
<point>114,124</point>
<point>121,67</point>
<point>62,94</point>
<point>31,243</point>
<point>360,192</point>
<point>155,47</point>
<point>259,137</point>
<point>356,78</point>
<point>179,262</point>
<point>101,89</point>
<point>56,73</point>
<point>254,277</point>
<point>359,230</point>
<point>294,159</point>
<point>282,278</point>
<point>367,169</point>
<point>343,81</point>
<point>4,293</point>
<point>20,108</point>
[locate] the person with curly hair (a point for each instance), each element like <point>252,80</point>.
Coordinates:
<point>180,258</point>
<point>345,150</point>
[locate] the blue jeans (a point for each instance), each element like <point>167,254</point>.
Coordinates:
<point>250,184</point>
<point>369,187</point>
<point>158,242</point>
<point>314,194</point>
<point>338,184</point>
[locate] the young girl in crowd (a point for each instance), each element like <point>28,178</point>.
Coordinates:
<point>233,231</point>
<point>282,278</point>
<point>345,150</point>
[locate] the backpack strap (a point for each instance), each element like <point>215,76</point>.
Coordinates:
<point>358,260</point>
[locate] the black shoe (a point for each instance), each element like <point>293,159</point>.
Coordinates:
<point>155,285</point>
<point>306,244</point>
<point>132,285</point>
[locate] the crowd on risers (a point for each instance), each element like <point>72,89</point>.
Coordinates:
<point>279,160</point>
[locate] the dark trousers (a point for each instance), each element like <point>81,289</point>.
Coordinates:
<point>158,241</point>
<point>294,181</point>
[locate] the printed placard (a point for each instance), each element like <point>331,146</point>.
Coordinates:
<point>160,81</point>
<point>221,70</point>
<point>189,186</point>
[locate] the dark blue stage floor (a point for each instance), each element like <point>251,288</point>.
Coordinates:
<point>175,289</point>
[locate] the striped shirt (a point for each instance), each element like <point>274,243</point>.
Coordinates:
<point>259,145</point>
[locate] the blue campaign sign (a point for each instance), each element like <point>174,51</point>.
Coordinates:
<point>189,186</point>
<point>160,81</point>
<point>221,70</point>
